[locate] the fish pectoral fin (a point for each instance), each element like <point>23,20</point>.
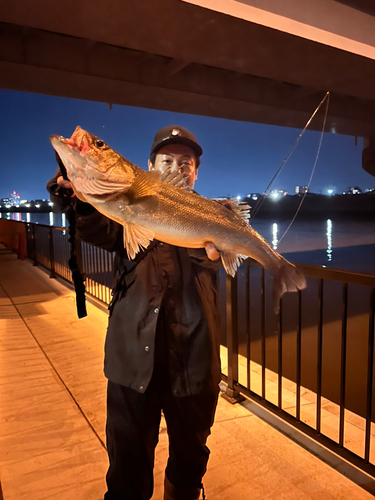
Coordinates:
<point>174,178</point>
<point>144,185</point>
<point>98,187</point>
<point>136,238</point>
<point>231,262</point>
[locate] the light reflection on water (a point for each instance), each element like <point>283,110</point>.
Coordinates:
<point>329,248</point>
<point>329,240</point>
<point>49,218</point>
<point>274,236</point>
<point>341,243</point>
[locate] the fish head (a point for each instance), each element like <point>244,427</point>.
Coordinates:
<point>93,168</point>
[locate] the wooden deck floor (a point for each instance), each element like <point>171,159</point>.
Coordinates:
<point>52,412</point>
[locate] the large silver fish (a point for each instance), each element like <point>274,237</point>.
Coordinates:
<point>151,205</point>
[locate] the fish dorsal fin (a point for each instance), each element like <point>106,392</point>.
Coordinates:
<point>174,178</point>
<point>231,262</point>
<point>136,238</point>
<point>145,184</point>
<point>242,209</point>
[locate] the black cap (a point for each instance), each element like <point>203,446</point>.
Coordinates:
<point>174,134</point>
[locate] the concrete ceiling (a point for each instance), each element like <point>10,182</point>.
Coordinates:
<point>171,55</point>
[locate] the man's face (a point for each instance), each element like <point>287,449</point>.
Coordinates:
<point>177,157</point>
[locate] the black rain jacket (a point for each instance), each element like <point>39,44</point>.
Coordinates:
<point>180,283</point>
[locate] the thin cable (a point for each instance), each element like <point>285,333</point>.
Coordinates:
<point>312,172</point>
<point>260,202</point>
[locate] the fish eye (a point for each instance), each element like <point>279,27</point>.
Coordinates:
<point>99,144</point>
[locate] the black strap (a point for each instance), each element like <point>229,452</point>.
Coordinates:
<point>77,277</point>
<point>61,166</point>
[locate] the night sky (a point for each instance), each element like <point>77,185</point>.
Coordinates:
<point>238,157</point>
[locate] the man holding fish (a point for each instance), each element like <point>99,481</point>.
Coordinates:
<point>162,345</point>
<point>162,350</point>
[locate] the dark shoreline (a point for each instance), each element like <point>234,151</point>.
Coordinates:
<point>314,206</point>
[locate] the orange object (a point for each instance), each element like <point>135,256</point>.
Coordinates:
<point>13,236</point>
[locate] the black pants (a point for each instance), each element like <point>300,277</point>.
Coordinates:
<point>133,421</point>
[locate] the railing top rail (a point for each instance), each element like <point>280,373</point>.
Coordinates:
<point>59,228</point>
<point>352,278</point>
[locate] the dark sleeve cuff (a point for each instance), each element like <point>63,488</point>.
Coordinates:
<point>199,256</point>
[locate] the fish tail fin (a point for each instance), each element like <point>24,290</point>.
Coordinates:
<point>287,278</point>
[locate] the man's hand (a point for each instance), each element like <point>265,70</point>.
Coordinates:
<point>61,182</point>
<point>211,251</point>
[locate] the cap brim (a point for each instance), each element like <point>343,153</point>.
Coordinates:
<point>179,140</point>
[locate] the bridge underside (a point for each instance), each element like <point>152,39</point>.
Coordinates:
<point>171,55</point>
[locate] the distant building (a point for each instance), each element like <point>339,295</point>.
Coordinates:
<point>6,202</point>
<point>301,189</point>
<point>15,199</point>
<point>276,194</point>
<point>354,190</point>
<point>253,196</point>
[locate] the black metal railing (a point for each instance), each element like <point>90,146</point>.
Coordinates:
<point>312,364</point>
<point>49,247</point>
<point>329,327</point>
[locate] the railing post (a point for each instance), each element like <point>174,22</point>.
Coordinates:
<point>78,252</point>
<point>319,358</point>
<point>280,357</point>
<point>231,394</point>
<point>51,252</point>
<point>344,326</point>
<point>28,245</point>
<point>35,263</point>
<point>263,329</point>
<point>370,375</point>
<point>299,353</point>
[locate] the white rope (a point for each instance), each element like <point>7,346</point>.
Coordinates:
<point>260,203</point>
<point>313,170</point>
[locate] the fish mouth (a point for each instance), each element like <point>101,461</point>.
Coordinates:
<point>80,166</point>
<point>72,152</point>
<point>78,141</point>
<point>75,149</point>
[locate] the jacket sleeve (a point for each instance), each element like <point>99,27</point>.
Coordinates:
<point>199,256</point>
<point>95,228</point>
<point>60,197</point>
